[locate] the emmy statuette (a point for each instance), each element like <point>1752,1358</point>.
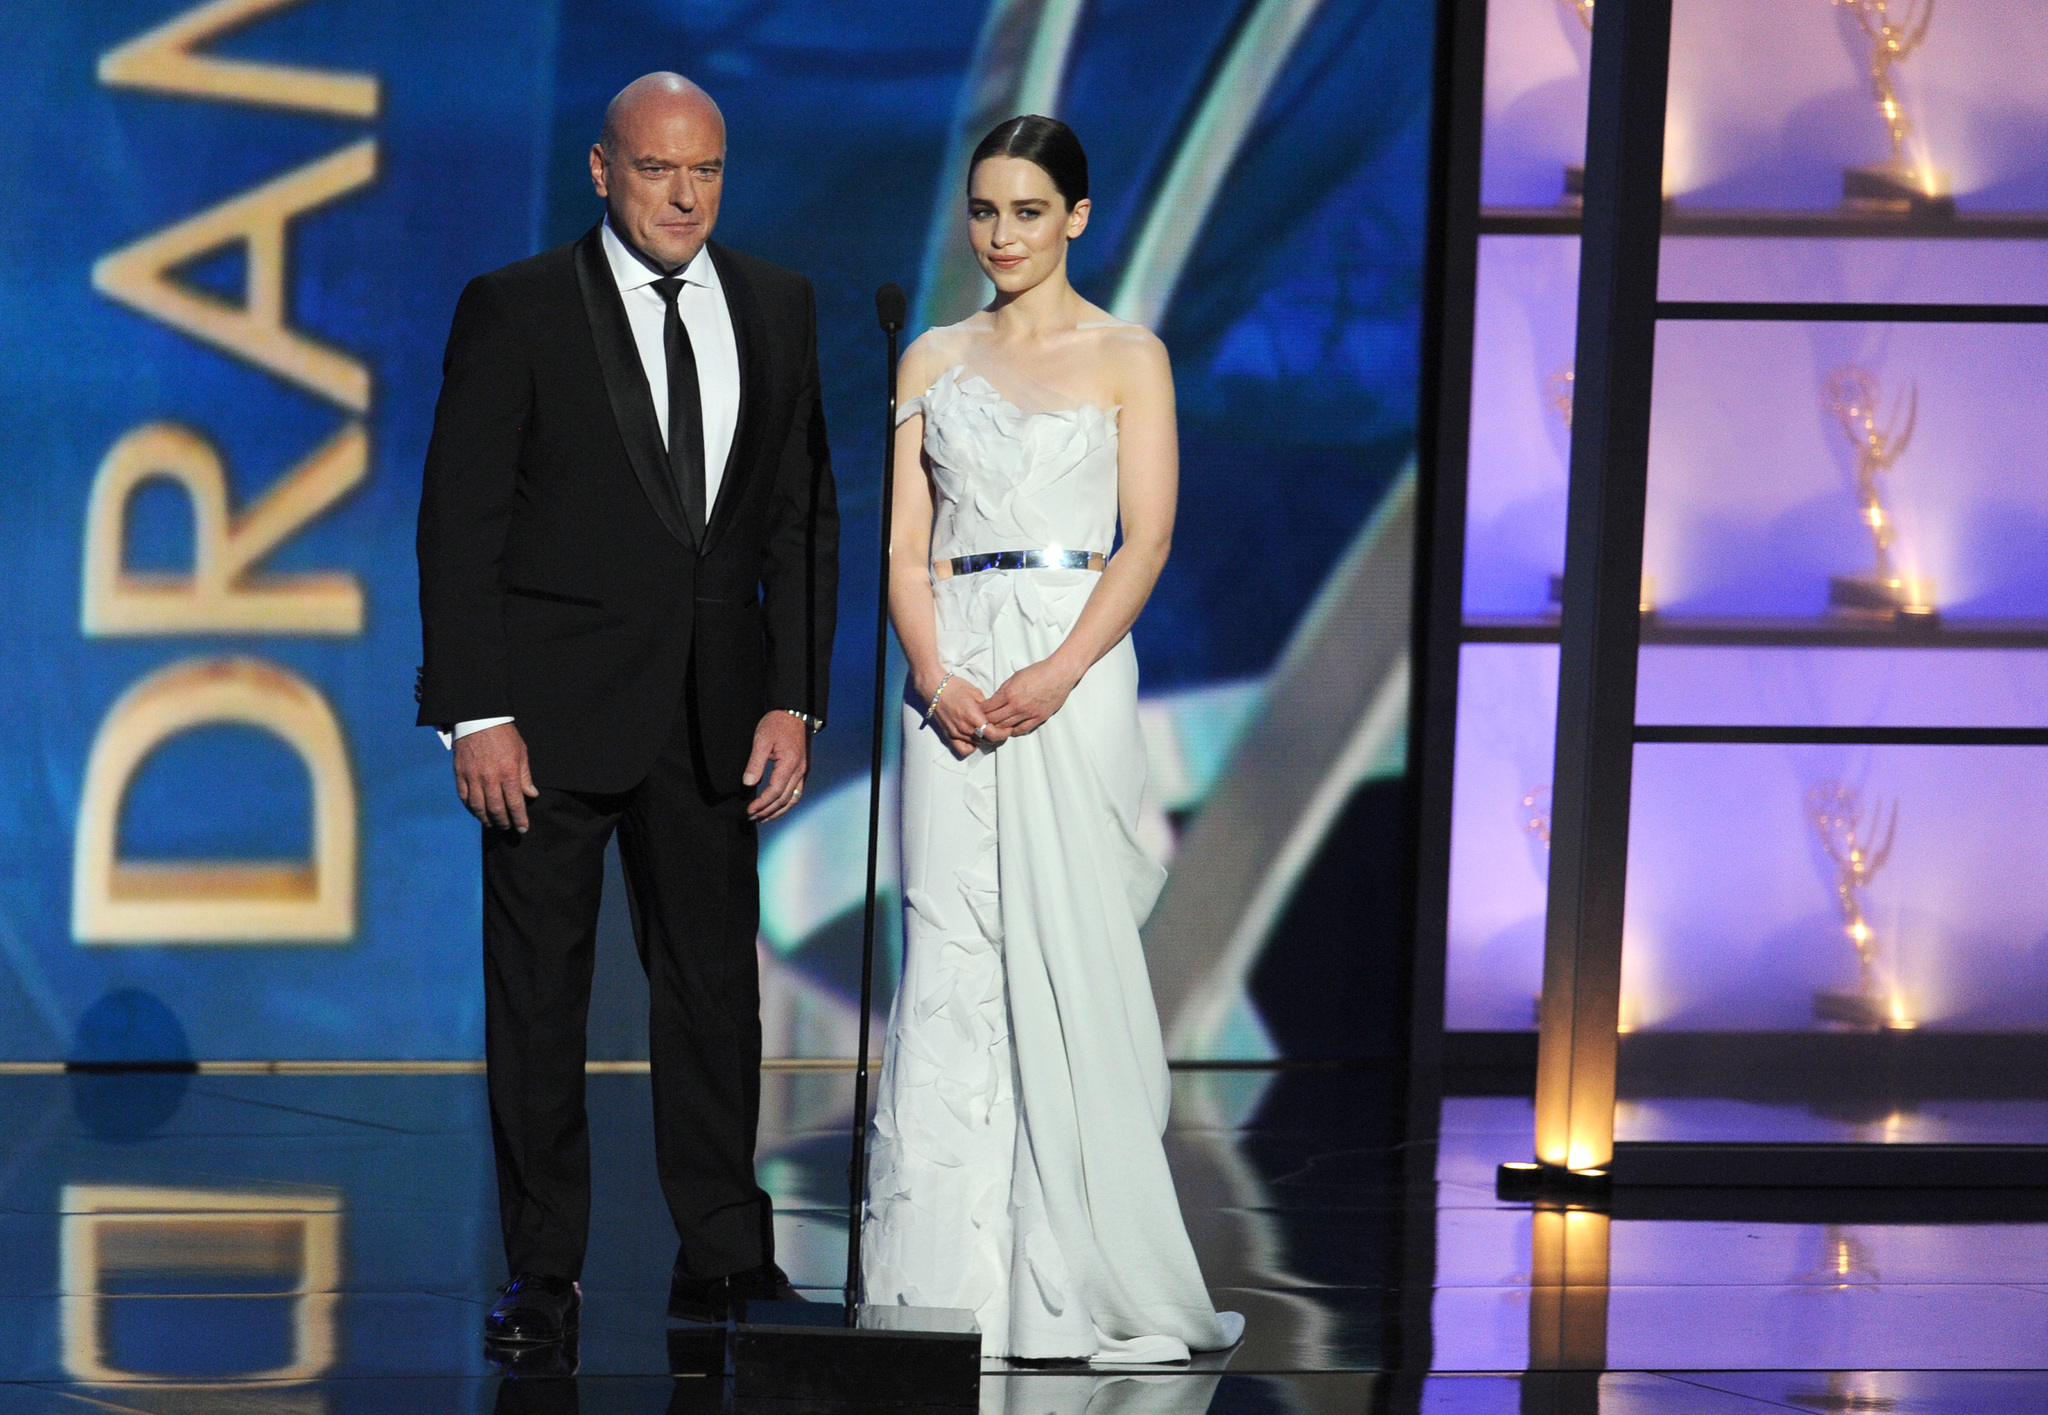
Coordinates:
<point>1535,817</point>
<point>1852,395</point>
<point>1859,842</point>
<point>1536,814</point>
<point>1899,187</point>
<point>1575,172</point>
<point>1557,394</point>
<point>1558,390</point>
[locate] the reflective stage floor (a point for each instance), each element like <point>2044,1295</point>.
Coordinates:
<point>303,1244</point>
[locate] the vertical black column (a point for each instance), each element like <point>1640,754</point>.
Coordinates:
<point>1602,582</point>
<point>1443,438</point>
<point>1443,441</point>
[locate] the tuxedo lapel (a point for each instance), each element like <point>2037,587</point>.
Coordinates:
<point>625,380</point>
<point>746,437</point>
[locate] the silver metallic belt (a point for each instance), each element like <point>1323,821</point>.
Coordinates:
<point>1018,560</point>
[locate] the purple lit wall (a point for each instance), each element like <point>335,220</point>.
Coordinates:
<point>1732,913</point>
<point>1770,100</point>
<point>1524,332</point>
<point>1751,502</point>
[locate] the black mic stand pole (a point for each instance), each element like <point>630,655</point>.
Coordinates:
<point>890,308</point>
<point>868,1358</point>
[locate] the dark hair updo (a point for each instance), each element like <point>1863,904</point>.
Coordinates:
<point>1046,141</point>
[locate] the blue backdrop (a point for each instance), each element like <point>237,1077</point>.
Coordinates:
<point>393,151</point>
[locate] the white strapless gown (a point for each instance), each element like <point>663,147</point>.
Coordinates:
<point>1017,1167</point>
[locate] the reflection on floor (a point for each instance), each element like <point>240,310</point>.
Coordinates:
<point>1875,1311</point>
<point>303,1245</point>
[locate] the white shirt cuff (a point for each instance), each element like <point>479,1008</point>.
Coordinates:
<point>463,729</point>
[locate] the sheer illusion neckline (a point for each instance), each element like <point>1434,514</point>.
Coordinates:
<point>972,384</point>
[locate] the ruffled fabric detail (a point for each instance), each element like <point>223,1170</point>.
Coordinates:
<point>940,1149</point>
<point>1015,480</point>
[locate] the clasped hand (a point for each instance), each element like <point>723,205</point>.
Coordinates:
<point>1026,699</point>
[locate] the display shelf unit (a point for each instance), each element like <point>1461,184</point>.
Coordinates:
<point>1698,1164</point>
<point>1621,233</point>
<point>1443,445</point>
<point>1897,1066</point>
<point>1817,312</point>
<point>1599,633</point>
<point>1822,1205</point>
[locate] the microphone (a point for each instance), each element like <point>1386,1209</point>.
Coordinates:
<point>891,306</point>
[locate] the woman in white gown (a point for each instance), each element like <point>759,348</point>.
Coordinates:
<point>1017,1165</point>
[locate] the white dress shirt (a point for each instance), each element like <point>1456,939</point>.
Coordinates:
<point>708,320</point>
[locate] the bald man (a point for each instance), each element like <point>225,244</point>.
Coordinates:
<point>628,548</point>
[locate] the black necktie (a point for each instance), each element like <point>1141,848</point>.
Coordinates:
<point>685,409</point>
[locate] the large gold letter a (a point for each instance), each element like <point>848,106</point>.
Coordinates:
<point>163,60</point>
<point>139,276</point>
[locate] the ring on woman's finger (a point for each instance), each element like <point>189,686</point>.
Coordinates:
<point>981,732</point>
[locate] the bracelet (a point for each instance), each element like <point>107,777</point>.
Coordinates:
<point>815,724</point>
<point>933,706</point>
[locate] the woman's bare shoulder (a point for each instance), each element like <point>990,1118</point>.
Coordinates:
<point>925,359</point>
<point>1130,357</point>
<point>1118,338</point>
<point>938,349</point>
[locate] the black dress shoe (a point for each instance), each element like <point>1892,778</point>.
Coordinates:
<point>532,1309</point>
<point>532,1363</point>
<point>707,1299</point>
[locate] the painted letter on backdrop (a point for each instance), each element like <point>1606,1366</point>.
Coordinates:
<point>216,901</point>
<point>256,329</point>
<point>162,61</point>
<point>221,595</point>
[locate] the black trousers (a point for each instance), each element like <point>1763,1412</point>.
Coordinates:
<point>689,855</point>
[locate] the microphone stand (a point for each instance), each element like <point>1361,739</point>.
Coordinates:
<point>890,309</point>
<point>894,1356</point>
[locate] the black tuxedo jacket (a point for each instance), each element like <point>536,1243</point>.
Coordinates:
<point>559,582</point>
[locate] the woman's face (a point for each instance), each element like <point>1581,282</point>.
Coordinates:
<point>1019,223</point>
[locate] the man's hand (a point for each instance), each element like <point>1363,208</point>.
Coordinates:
<point>492,778</point>
<point>781,760</point>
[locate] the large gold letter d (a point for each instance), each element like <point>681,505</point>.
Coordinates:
<point>288,901</point>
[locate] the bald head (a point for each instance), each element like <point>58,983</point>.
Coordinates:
<point>660,167</point>
<point>653,96</point>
